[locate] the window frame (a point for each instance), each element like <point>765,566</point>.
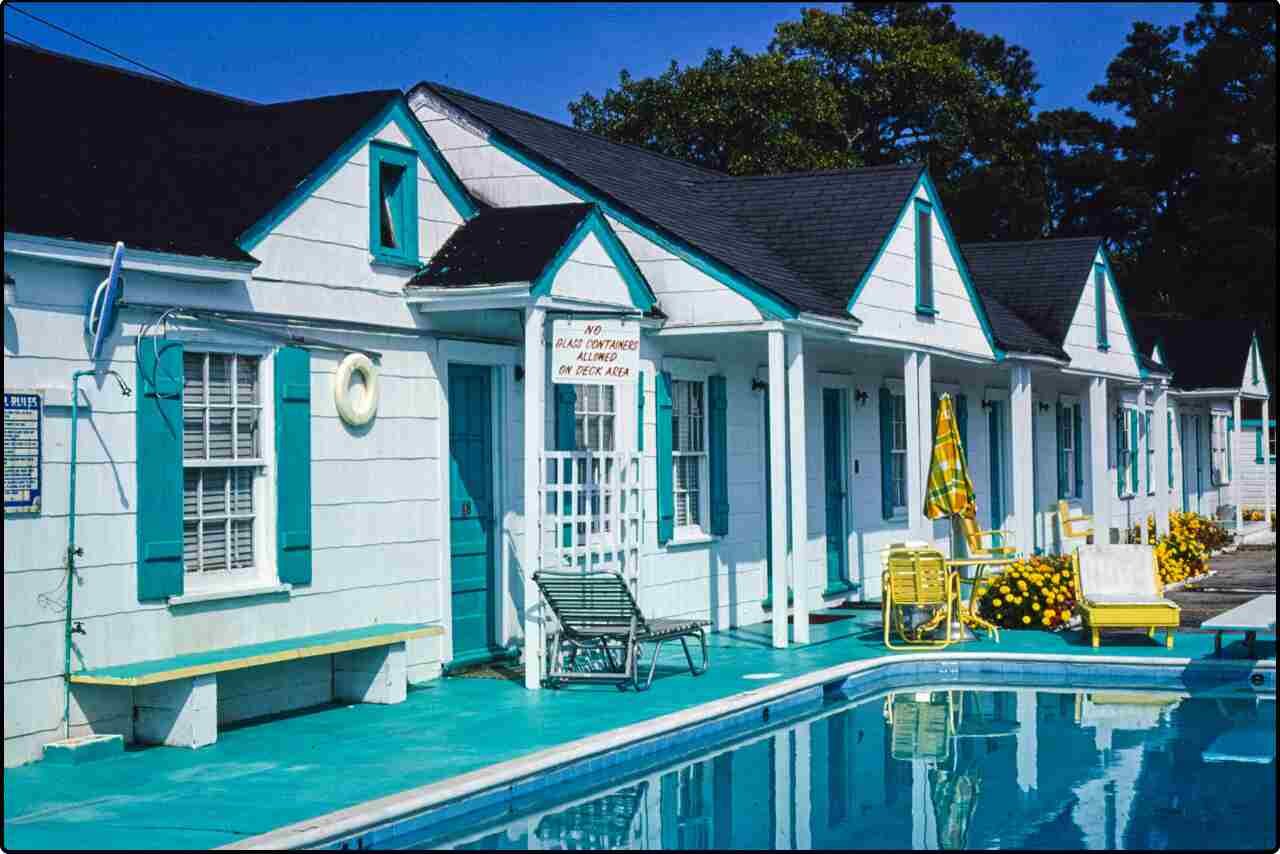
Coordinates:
<point>263,571</point>
<point>703,526</point>
<point>693,371</point>
<point>895,453</point>
<point>404,208</point>
<point>1069,406</point>
<point>1125,444</point>
<point>1219,470</point>
<point>1100,305</point>
<point>1146,423</point>
<point>581,415</point>
<point>926,303</point>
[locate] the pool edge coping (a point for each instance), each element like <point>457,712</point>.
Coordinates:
<point>364,816</point>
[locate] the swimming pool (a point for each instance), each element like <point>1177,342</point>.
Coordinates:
<point>928,768</point>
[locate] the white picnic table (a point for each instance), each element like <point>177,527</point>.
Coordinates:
<point>1258,615</point>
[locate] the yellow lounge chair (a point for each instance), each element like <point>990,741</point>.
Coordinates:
<point>918,578</point>
<point>1120,588</point>
<point>1072,530</point>
<point>973,541</point>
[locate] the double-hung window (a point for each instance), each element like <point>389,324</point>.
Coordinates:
<point>1148,418</point>
<point>594,416</point>
<point>898,454</point>
<point>223,464</point>
<point>924,258</point>
<point>1219,465</point>
<point>1127,450</point>
<point>1100,305</point>
<point>689,452</point>
<point>1067,443</point>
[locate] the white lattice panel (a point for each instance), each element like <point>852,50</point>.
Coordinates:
<point>591,511</point>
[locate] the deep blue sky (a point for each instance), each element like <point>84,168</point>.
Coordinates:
<point>538,57</point>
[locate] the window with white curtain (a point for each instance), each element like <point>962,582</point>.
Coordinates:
<point>898,451</point>
<point>595,408</point>
<point>1218,468</point>
<point>222,451</point>
<point>689,451</point>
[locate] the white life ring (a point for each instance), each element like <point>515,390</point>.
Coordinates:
<point>356,408</point>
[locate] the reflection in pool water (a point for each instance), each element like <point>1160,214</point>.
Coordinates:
<point>921,769</point>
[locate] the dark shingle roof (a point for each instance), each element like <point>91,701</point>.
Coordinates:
<point>1040,281</point>
<point>805,238</point>
<point>1201,353</point>
<point>161,166</point>
<point>502,245</point>
<point>1012,334</point>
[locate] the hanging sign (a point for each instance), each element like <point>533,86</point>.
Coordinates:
<point>594,352</point>
<point>23,411</point>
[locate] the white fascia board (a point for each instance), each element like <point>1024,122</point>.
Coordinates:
<point>1202,393</point>
<point>479,297</point>
<point>1036,359</point>
<point>903,346</point>
<point>1126,379</point>
<point>808,323</point>
<point>556,302</point>
<point>722,328</point>
<point>187,267</point>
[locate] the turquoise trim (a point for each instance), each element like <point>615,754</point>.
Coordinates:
<point>1124,313</point>
<point>1259,367</point>
<point>941,217</point>
<point>642,296</point>
<point>923,306</point>
<point>772,306</point>
<point>396,111</point>
<point>403,202</point>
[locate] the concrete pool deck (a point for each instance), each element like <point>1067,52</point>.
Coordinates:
<point>457,735</point>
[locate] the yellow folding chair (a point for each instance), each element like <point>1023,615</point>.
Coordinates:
<point>974,538</point>
<point>1072,530</point>
<point>918,578</point>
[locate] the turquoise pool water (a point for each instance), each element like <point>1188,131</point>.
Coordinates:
<point>929,769</point>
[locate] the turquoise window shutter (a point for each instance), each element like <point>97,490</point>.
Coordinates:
<point>666,493</point>
<point>962,420</point>
<point>640,411</point>
<point>159,426</point>
<point>1120,455</point>
<point>1077,420</point>
<point>1133,451</point>
<point>293,464</point>
<point>1257,443</point>
<point>1151,487</point>
<point>1231,426</point>
<point>1063,487</point>
<point>924,258</point>
<point>566,402</point>
<point>886,453</point>
<point>1100,294</point>
<point>718,427</point>
<point>1169,445</point>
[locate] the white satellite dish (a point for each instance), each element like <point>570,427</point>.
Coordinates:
<point>101,316</point>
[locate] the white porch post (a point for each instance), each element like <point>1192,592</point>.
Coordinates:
<point>799,498</point>
<point>1233,467</point>
<point>778,477</point>
<point>917,384</point>
<point>1268,470</point>
<point>1100,485</point>
<point>1023,461</point>
<point>534,379</point>
<point>1160,443</point>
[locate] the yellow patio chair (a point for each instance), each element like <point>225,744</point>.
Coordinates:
<point>1119,588</point>
<point>1073,528</point>
<point>918,578</point>
<point>974,544</point>
<point>922,725</point>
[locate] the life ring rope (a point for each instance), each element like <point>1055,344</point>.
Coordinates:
<point>356,411</point>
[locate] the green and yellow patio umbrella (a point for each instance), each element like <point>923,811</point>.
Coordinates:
<point>950,491</point>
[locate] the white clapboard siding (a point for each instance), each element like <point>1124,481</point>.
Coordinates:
<point>1081,343</point>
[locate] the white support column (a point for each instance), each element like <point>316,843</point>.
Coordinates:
<point>1022,460</point>
<point>1268,468</point>
<point>1230,462</point>
<point>778,477</point>
<point>784,793</point>
<point>799,499</point>
<point>924,379</point>
<point>917,405</point>
<point>804,788</point>
<point>1025,760</point>
<point>1100,483</point>
<point>534,379</point>
<point>1137,507</point>
<point>1160,443</point>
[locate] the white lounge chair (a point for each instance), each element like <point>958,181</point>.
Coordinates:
<point>1120,588</point>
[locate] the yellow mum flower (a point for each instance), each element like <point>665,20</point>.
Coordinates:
<point>1026,619</point>
<point>1004,588</point>
<point>1049,613</point>
<point>1035,606</point>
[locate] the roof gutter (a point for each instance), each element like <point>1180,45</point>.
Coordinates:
<point>1035,358</point>
<point>469,298</point>
<point>188,267</point>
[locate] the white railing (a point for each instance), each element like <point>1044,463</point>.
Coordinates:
<point>591,512</point>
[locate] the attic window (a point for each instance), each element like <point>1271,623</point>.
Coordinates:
<point>924,258</point>
<point>1100,296</point>
<point>393,204</point>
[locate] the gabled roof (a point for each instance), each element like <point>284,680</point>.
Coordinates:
<point>98,154</point>
<point>1040,281</point>
<point>1202,354</point>
<point>502,245</point>
<point>1012,334</point>
<point>804,238</point>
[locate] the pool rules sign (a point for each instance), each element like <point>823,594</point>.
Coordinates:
<point>594,352</point>
<point>23,411</point>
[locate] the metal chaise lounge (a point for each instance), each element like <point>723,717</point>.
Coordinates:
<point>597,615</point>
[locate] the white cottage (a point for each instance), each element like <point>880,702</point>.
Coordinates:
<point>794,332</point>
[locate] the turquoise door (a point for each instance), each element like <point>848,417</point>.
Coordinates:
<point>995,429</point>
<point>834,477</point>
<point>471,513</point>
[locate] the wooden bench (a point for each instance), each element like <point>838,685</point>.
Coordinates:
<point>175,699</point>
<point>1256,616</point>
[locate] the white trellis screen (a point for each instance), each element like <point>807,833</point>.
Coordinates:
<point>592,512</point>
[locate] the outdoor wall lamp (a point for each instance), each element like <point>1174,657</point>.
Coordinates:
<point>1042,406</point>
<point>986,404</point>
<point>519,372</point>
<point>759,384</point>
<point>860,397</point>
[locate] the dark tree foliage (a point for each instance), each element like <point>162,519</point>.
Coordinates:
<point>1183,188</point>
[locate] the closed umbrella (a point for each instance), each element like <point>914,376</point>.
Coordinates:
<point>950,491</point>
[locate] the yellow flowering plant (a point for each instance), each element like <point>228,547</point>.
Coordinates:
<point>1034,593</point>
<point>1182,553</point>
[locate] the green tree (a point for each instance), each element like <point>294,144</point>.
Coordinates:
<point>877,83</point>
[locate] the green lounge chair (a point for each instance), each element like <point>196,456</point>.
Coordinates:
<point>597,614</point>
